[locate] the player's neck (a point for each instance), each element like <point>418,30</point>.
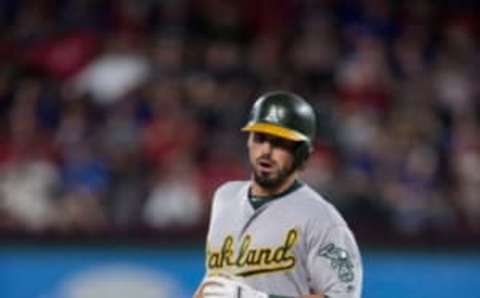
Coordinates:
<point>259,191</point>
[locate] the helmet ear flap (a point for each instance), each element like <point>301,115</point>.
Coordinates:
<point>302,153</point>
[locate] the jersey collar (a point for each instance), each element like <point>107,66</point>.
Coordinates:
<point>257,201</point>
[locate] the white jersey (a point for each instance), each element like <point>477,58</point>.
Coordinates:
<point>294,245</point>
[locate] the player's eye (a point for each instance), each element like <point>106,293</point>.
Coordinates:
<point>259,138</point>
<point>276,142</point>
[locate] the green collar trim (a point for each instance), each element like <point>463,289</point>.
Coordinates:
<point>258,202</point>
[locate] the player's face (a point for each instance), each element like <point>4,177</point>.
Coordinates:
<point>271,158</point>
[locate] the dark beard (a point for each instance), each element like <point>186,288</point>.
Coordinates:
<point>271,183</point>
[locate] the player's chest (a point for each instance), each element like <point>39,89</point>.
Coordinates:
<point>257,243</point>
<point>267,226</point>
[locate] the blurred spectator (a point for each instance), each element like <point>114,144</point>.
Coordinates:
<point>364,78</point>
<point>63,56</point>
<point>465,161</point>
<point>171,132</point>
<point>315,53</point>
<point>168,54</point>
<point>85,175</point>
<point>321,171</point>
<point>121,140</point>
<point>264,57</point>
<point>118,115</point>
<point>119,69</point>
<point>29,180</point>
<point>223,58</point>
<point>175,197</point>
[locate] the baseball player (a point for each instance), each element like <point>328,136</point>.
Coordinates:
<point>274,236</point>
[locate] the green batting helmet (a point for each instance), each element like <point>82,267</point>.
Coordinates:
<point>285,115</point>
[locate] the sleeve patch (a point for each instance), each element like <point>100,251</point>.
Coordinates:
<point>340,261</point>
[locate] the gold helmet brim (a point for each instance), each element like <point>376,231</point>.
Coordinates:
<point>275,130</point>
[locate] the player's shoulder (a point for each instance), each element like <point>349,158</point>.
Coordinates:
<point>230,190</point>
<point>315,205</point>
<point>231,187</point>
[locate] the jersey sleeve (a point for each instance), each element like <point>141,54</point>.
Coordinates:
<point>334,263</point>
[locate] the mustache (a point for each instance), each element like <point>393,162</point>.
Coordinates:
<point>265,158</point>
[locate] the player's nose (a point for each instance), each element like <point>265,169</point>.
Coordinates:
<point>266,147</point>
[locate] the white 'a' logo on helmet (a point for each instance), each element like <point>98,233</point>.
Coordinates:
<point>275,114</point>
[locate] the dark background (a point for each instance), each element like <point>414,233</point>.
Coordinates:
<point>119,118</point>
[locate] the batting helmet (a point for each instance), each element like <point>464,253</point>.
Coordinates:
<point>285,115</point>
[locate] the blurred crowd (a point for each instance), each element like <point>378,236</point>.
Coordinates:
<point>121,116</point>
